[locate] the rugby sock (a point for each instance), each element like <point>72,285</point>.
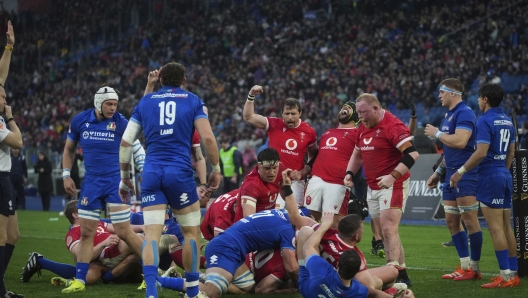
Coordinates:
<point>82,270</point>
<point>63,270</point>
<point>7,254</point>
<point>2,285</point>
<point>150,272</point>
<point>504,265</point>
<point>108,276</point>
<point>461,245</point>
<point>172,283</point>
<point>513,265</point>
<point>476,246</point>
<point>191,278</point>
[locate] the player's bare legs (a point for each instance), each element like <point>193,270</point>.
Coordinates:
<point>389,222</point>
<point>124,231</point>
<point>13,234</point>
<point>153,226</point>
<point>189,219</point>
<point>209,287</point>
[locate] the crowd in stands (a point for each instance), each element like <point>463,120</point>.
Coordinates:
<point>322,52</point>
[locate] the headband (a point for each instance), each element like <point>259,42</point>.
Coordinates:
<point>447,89</point>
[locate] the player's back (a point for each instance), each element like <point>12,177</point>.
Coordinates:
<point>266,262</point>
<point>220,215</point>
<point>496,130</point>
<point>268,229</point>
<point>167,118</point>
<point>332,246</point>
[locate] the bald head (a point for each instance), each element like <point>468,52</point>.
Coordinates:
<point>369,109</point>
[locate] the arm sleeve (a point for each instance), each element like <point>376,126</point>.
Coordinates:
<point>199,110</point>
<point>287,238</point>
<point>466,120</point>
<point>3,129</point>
<point>483,133</point>
<point>399,134</point>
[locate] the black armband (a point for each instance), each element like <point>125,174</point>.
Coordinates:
<point>350,173</point>
<point>286,191</point>
<point>311,162</point>
<point>407,159</point>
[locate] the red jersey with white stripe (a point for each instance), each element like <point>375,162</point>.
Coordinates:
<point>254,189</point>
<point>379,148</point>
<point>195,139</point>
<point>331,248</point>
<point>267,262</point>
<point>291,143</point>
<point>220,214</point>
<point>335,148</point>
<point>74,235</point>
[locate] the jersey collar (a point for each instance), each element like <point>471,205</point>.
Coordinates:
<point>497,110</point>
<point>457,106</point>
<point>169,89</point>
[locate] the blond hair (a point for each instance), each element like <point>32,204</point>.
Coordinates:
<point>369,98</point>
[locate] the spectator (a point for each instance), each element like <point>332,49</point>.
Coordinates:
<point>249,160</point>
<point>524,138</point>
<point>231,165</point>
<point>45,182</point>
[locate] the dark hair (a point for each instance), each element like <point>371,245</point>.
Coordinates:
<point>172,74</point>
<point>493,92</point>
<point>291,103</point>
<point>349,225</point>
<point>349,264</point>
<point>268,154</point>
<point>525,124</point>
<point>70,209</point>
<point>454,84</point>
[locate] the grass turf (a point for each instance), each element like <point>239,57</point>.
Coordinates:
<point>426,259</point>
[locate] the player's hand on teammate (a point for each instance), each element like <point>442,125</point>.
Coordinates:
<point>10,34</point>
<point>69,187</point>
<point>453,181</point>
<point>348,181</point>
<point>113,239</point>
<point>432,182</point>
<point>296,175</point>
<point>327,219</point>
<point>153,77</point>
<point>430,131</point>
<point>385,181</point>
<point>125,188</point>
<point>256,90</point>
<point>212,185</point>
<point>286,177</point>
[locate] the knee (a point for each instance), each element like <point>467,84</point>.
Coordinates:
<point>13,236</point>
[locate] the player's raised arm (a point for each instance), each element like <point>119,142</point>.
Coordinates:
<point>6,57</point>
<point>291,205</point>
<point>311,244</point>
<point>151,81</point>
<point>248,113</point>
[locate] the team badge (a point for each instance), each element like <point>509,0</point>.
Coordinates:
<point>84,201</point>
<point>377,132</point>
<point>111,126</point>
<point>302,136</point>
<point>345,134</point>
<point>450,118</point>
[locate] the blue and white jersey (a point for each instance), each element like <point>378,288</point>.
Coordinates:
<point>460,117</point>
<point>268,229</point>
<point>496,130</point>
<point>99,140</point>
<point>167,118</point>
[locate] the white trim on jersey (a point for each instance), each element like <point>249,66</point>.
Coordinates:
<point>403,141</point>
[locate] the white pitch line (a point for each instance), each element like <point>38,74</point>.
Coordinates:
<point>430,269</point>
<point>42,237</point>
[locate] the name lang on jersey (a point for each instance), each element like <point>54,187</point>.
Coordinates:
<point>167,131</point>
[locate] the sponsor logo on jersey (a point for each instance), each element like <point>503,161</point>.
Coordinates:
<point>502,122</point>
<point>111,126</point>
<point>377,132</point>
<point>367,141</point>
<point>500,157</point>
<point>85,135</point>
<point>331,141</point>
<point>87,124</point>
<point>170,95</point>
<point>366,148</point>
<point>213,260</point>
<point>302,136</point>
<point>497,202</point>
<point>184,199</point>
<point>291,144</point>
<point>84,201</point>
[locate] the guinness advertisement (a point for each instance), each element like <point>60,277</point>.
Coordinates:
<point>519,172</point>
<point>422,203</point>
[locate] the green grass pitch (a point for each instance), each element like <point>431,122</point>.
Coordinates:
<point>426,259</point>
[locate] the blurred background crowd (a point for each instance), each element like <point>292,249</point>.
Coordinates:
<point>323,52</point>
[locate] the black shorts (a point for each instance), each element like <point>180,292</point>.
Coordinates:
<point>7,195</point>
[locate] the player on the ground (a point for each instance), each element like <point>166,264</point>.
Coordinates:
<point>269,273</point>
<point>98,131</point>
<point>493,156</point>
<point>325,189</point>
<point>220,215</point>
<point>168,118</point>
<point>458,134</point>
<point>290,136</point>
<point>384,147</point>
<point>261,187</point>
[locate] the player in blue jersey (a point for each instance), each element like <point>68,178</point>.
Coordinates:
<point>168,118</point>
<point>317,278</point>
<point>494,155</point>
<point>99,132</point>
<point>458,134</point>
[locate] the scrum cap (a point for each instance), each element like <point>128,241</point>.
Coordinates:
<point>103,94</point>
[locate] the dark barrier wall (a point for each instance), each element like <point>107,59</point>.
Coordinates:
<point>520,208</point>
<point>422,202</point>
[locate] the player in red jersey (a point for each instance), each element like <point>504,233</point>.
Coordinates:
<point>220,215</point>
<point>261,187</point>
<point>268,271</point>
<point>384,147</point>
<point>325,189</point>
<point>335,242</point>
<point>290,136</point>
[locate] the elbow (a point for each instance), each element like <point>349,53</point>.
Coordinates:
<point>461,145</point>
<point>18,144</point>
<point>246,117</point>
